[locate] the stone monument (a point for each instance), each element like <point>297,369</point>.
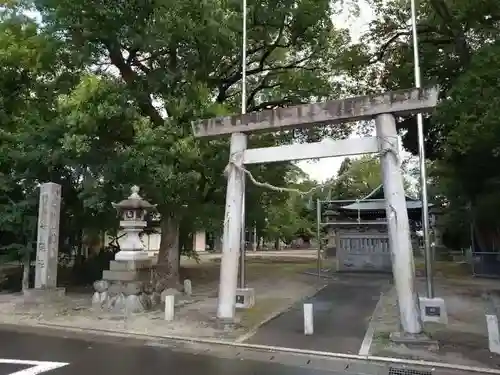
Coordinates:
<point>47,249</point>
<point>126,286</point>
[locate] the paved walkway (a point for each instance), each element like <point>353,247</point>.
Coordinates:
<point>341,315</point>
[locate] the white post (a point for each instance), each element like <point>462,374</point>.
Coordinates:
<point>308,319</point>
<point>169,307</point>
<point>399,229</point>
<point>188,288</point>
<point>232,230</point>
<point>493,333</point>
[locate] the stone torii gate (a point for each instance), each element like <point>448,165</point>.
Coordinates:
<point>382,108</point>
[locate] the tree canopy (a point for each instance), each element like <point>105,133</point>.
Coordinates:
<point>106,92</point>
<point>458,43</point>
<point>99,96</point>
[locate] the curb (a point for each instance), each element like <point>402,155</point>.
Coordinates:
<point>330,355</point>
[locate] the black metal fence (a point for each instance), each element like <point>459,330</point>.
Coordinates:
<point>485,258</point>
<point>486,264</point>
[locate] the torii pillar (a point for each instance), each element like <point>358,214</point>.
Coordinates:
<point>382,108</point>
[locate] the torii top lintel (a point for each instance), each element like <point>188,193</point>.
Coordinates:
<point>401,102</point>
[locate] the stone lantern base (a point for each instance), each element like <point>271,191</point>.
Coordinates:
<point>124,255</point>
<point>126,287</point>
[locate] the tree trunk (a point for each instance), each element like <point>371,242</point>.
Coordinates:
<point>255,240</point>
<point>25,282</point>
<point>80,256</point>
<point>185,236</point>
<point>169,255</point>
<point>218,242</point>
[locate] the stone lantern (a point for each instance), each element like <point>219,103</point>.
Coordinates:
<point>132,211</point>
<point>126,286</point>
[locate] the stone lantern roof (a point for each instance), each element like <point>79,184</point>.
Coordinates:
<point>134,202</point>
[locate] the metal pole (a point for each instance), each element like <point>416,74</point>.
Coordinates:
<point>318,235</point>
<point>472,246</point>
<point>243,111</point>
<point>244,61</point>
<point>421,155</point>
<point>243,243</point>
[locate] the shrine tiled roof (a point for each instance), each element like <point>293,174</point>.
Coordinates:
<point>380,205</point>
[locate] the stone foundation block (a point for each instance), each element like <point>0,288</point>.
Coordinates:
<point>245,298</point>
<point>142,275</point>
<point>414,340</point>
<point>129,265</point>
<point>433,310</point>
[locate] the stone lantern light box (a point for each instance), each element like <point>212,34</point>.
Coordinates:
<point>133,211</point>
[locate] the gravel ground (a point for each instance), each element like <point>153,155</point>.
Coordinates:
<point>278,285</point>
<point>463,341</point>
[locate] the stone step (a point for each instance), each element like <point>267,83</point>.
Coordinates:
<point>129,265</point>
<point>125,275</point>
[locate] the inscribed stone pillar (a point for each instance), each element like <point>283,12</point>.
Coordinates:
<point>47,249</point>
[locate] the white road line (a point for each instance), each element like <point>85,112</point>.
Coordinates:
<point>364,350</point>
<point>367,340</point>
<point>493,333</point>
<point>37,367</point>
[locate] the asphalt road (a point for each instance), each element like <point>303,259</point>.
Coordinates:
<point>32,354</point>
<point>342,313</point>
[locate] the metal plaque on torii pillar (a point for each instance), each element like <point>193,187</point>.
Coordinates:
<point>382,108</point>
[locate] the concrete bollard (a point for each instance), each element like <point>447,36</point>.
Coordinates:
<point>493,333</point>
<point>308,319</point>
<point>188,288</point>
<point>169,307</point>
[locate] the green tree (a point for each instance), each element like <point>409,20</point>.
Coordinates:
<point>154,67</point>
<point>357,178</point>
<point>34,71</point>
<point>294,216</point>
<point>471,154</point>
<point>457,43</point>
<point>450,33</point>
